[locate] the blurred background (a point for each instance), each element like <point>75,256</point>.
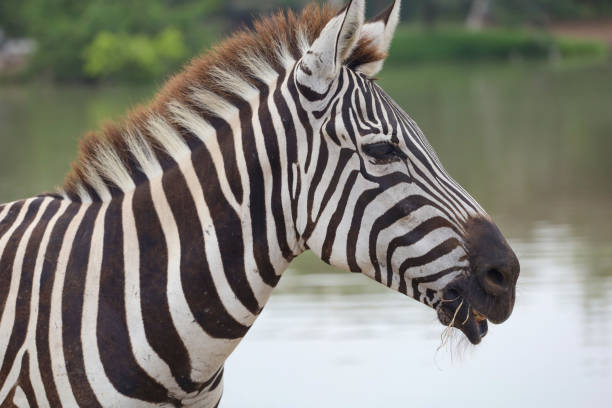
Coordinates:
<point>516,97</point>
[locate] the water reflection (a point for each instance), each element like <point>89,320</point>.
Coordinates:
<point>356,342</point>
<point>531,142</point>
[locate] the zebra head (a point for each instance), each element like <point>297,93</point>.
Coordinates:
<point>375,198</point>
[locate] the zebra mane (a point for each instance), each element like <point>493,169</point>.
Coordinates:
<point>209,85</point>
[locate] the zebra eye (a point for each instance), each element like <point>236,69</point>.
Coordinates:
<point>384,152</point>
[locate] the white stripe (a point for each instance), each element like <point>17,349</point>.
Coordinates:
<point>231,115</point>
<point>206,353</point>
<point>56,345</point>
<point>331,164</point>
<point>456,207</point>
<point>8,234</point>
<point>422,247</point>
<point>8,317</point>
<point>205,132</point>
<point>146,357</point>
<point>274,252</point>
<point>285,190</point>
<point>338,253</point>
<point>302,152</point>
<point>198,343</point>
<point>94,369</point>
<point>35,378</point>
<point>19,399</point>
<point>213,253</point>
<point>5,211</point>
<point>261,289</point>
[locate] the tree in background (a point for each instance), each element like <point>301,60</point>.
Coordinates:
<point>122,39</point>
<point>146,39</point>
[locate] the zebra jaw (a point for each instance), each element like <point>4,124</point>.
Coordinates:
<point>458,313</point>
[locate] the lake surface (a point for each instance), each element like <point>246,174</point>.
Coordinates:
<point>532,143</point>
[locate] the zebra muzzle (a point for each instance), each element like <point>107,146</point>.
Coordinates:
<point>455,311</point>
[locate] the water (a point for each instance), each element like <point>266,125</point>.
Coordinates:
<point>530,142</point>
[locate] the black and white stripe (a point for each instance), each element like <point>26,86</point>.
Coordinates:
<point>133,288</point>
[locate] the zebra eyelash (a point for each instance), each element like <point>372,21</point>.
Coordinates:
<point>384,152</point>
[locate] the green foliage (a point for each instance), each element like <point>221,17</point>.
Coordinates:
<point>572,47</point>
<point>139,38</point>
<point>134,57</point>
<point>135,40</point>
<point>413,44</point>
<point>508,12</point>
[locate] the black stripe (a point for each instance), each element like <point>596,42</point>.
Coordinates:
<point>273,152</point>
<point>291,145</point>
<point>157,320</point>
<point>429,165</point>
<point>217,381</point>
<point>337,217</point>
<point>72,310</point>
<point>369,100</point>
<point>344,157</point>
<point>380,114</point>
<point>8,256</point>
<point>10,217</point>
<point>257,200</point>
<point>197,282</point>
<point>227,145</point>
<point>120,365</point>
<point>413,236</point>
<point>303,118</point>
<point>346,107</point>
<point>47,279</point>
<point>311,95</point>
<point>401,209</point>
<point>333,100</point>
<point>22,307</point>
<point>432,278</point>
<point>439,251</point>
<point>427,147</point>
<point>363,201</point>
<point>321,164</point>
<point>359,120</point>
<point>24,380</point>
<point>330,124</point>
<point>228,228</point>
<point>208,382</point>
<point>359,211</point>
<point>8,402</point>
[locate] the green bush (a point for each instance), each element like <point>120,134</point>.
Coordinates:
<point>146,39</point>
<point>572,47</point>
<point>413,44</point>
<point>114,39</point>
<point>134,57</point>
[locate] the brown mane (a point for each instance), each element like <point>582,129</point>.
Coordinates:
<point>263,40</point>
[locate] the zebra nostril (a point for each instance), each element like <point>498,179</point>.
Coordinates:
<point>495,282</point>
<point>496,277</point>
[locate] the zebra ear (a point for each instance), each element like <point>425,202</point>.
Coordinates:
<point>323,60</point>
<point>379,32</point>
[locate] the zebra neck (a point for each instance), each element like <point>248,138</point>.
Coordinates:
<point>208,220</point>
<point>225,214</point>
<point>239,181</point>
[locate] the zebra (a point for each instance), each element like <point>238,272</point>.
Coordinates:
<point>132,284</point>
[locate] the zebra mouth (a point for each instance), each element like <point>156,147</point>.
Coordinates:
<point>457,312</point>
